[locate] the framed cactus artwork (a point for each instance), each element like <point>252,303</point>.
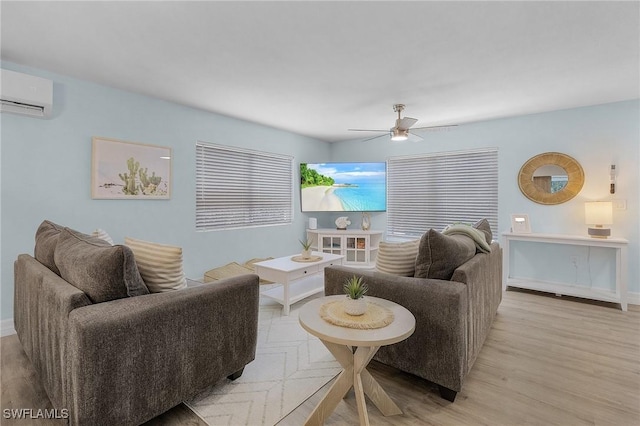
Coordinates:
<point>126,170</point>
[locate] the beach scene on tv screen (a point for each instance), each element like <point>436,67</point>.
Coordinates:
<point>343,187</point>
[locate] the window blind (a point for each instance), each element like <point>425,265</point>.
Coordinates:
<point>436,190</point>
<point>239,188</point>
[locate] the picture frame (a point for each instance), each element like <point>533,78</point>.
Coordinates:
<point>122,170</point>
<point>520,224</point>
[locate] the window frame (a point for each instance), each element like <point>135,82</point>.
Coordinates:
<point>414,181</point>
<point>215,211</point>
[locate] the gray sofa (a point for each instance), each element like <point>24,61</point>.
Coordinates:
<point>129,359</point>
<point>453,313</point>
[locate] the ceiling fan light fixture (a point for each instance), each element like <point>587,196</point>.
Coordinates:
<point>399,135</point>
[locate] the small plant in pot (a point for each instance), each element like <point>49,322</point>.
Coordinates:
<point>355,289</point>
<point>306,249</point>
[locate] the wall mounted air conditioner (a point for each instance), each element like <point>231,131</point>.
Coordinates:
<point>25,94</point>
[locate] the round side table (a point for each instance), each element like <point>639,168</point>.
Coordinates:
<point>341,342</point>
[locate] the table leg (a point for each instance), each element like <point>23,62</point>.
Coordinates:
<point>354,375</point>
<point>286,304</point>
<point>378,396</point>
<point>336,392</point>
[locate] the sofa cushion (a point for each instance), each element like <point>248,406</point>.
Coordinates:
<point>46,241</point>
<point>439,255</point>
<point>102,271</point>
<point>397,258</point>
<point>484,226</point>
<point>160,265</point>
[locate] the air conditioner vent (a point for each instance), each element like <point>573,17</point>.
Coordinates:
<point>20,108</point>
<point>25,94</point>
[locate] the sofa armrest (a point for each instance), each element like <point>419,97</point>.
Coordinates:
<point>483,278</point>
<point>440,309</point>
<point>41,306</point>
<point>142,355</point>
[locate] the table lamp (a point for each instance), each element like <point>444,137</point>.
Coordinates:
<point>598,213</point>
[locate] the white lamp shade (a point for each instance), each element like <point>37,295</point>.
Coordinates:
<point>598,212</point>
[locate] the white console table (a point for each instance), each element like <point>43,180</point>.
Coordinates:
<point>620,245</point>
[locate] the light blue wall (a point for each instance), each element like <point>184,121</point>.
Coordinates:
<point>46,166</point>
<point>596,136</point>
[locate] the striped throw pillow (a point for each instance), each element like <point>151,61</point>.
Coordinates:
<point>160,265</point>
<point>102,234</point>
<point>397,258</point>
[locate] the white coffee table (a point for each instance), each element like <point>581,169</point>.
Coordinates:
<point>299,279</point>
<point>341,341</point>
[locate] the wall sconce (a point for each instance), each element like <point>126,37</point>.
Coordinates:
<point>598,213</point>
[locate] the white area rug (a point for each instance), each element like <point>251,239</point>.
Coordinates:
<point>290,366</point>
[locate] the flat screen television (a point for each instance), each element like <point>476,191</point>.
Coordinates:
<point>343,187</point>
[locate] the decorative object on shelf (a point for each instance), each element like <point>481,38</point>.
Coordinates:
<point>313,223</point>
<point>306,249</point>
<point>355,289</point>
<point>125,170</point>
<point>366,221</point>
<point>520,224</point>
<point>342,222</point>
<point>612,184</point>
<point>551,178</point>
<point>598,213</point>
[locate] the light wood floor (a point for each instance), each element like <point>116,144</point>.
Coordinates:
<point>546,361</point>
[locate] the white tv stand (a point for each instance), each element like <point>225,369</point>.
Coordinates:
<point>620,245</point>
<point>359,248</point>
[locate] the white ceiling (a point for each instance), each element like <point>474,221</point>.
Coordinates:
<point>319,68</point>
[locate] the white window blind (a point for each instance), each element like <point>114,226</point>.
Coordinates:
<point>436,190</point>
<point>239,188</point>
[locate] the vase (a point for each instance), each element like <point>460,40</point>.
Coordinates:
<point>355,306</point>
<point>306,254</point>
<point>366,221</point>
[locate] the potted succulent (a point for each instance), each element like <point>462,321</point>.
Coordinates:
<point>306,249</point>
<point>355,289</point>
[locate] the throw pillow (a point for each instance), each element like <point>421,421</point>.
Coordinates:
<point>439,255</point>
<point>46,241</point>
<point>397,258</point>
<point>102,234</point>
<point>160,265</point>
<point>484,226</point>
<point>102,271</point>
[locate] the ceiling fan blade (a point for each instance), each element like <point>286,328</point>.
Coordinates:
<point>414,138</point>
<point>405,123</point>
<point>444,127</point>
<point>367,130</point>
<point>376,137</point>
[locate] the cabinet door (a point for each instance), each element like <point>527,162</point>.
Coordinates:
<point>331,244</point>
<point>357,249</point>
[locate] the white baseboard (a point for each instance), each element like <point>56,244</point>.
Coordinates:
<point>6,328</point>
<point>633,298</point>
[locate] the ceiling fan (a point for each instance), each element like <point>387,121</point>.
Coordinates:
<point>400,132</point>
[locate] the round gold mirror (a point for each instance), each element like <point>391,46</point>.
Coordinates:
<point>551,178</point>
